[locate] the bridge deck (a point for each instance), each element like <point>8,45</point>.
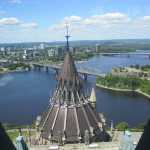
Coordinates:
<point>82,70</point>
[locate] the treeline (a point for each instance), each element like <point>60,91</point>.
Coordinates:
<point>1,69</point>
<point>83,55</point>
<point>115,49</point>
<point>109,48</point>
<point>18,65</point>
<point>131,83</point>
<point>122,126</point>
<point>143,68</point>
<point>77,56</point>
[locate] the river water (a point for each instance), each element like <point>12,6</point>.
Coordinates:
<point>24,95</point>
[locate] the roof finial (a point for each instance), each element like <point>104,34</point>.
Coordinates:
<point>67,36</point>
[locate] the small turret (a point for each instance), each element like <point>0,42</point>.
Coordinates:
<point>93,98</point>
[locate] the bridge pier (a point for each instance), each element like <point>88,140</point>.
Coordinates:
<point>34,67</point>
<point>56,72</point>
<point>29,68</point>
<point>39,68</point>
<point>85,77</point>
<point>46,68</point>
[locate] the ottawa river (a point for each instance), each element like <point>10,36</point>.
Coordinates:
<point>24,95</point>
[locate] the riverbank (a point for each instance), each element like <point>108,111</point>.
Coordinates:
<point>11,71</point>
<point>123,90</point>
<point>14,67</point>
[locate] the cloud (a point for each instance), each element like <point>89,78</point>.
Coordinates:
<point>112,25</point>
<point>69,20</point>
<point>30,25</point>
<point>105,26</point>
<point>72,19</point>
<point>9,21</point>
<point>15,1</point>
<point>12,21</point>
<point>107,19</point>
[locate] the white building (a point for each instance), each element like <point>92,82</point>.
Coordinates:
<point>2,49</point>
<point>51,52</point>
<point>97,47</point>
<point>42,46</point>
<point>24,54</point>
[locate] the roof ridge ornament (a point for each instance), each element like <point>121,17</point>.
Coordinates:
<point>67,37</point>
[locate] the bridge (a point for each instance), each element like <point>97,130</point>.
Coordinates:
<point>82,70</point>
<point>85,70</point>
<point>129,53</point>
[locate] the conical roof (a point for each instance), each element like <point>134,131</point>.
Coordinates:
<point>70,114</point>
<point>69,74</point>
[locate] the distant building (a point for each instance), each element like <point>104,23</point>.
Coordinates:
<point>88,50</point>
<point>35,47</point>
<point>51,52</point>
<point>71,50</point>
<point>42,46</point>
<point>4,63</point>
<point>24,54</point>
<point>74,50</point>
<point>97,47</point>
<point>30,54</point>
<point>36,54</point>
<point>2,49</point>
<point>60,51</point>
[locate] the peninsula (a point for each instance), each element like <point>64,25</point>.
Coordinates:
<point>131,79</point>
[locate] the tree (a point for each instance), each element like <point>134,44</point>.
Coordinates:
<point>122,126</point>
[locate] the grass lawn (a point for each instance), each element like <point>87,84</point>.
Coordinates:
<point>13,134</point>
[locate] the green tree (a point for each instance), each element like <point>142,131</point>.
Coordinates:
<point>122,126</point>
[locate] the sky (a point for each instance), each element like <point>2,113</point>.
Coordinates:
<point>45,20</point>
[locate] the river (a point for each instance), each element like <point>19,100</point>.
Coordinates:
<point>24,95</point>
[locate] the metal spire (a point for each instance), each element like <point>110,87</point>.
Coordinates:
<point>67,37</point>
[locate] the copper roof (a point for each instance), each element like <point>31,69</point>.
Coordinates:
<point>70,114</point>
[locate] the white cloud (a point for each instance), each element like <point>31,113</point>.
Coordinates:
<point>104,26</point>
<point>9,21</point>
<point>146,18</point>
<point>115,25</point>
<point>69,20</point>
<point>30,25</point>
<point>72,19</point>
<point>98,20</point>
<point>15,1</point>
<point>12,21</point>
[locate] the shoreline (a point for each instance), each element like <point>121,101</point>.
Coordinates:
<point>12,71</point>
<point>124,90</point>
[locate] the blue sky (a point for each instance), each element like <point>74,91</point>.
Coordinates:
<point>44,20</point>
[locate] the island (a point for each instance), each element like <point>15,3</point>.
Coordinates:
<point>14,67</point>
<point>128,79</point>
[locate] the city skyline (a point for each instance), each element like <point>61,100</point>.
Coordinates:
<point>35,21</point>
